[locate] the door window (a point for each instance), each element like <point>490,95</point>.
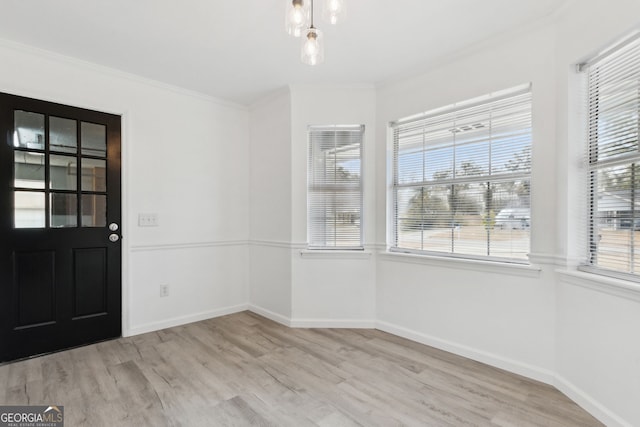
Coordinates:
<point>48,190</point>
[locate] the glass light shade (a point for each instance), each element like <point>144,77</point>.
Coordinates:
<point>334,11</point>
<point>296,16</point>
<point>312,47</point>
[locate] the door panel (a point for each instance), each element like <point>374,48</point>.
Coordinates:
<point>34,287</point>
<point>90,282</point>
<point>60,275</point>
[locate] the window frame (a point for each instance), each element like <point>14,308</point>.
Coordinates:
<point>593,164</point>
<point>312,246</point>
<point>394,219</point>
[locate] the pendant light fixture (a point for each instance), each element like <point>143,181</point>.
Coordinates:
<point>299,23</point>
<point>312,44</point>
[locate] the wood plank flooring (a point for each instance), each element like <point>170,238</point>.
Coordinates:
<point>243,369</point>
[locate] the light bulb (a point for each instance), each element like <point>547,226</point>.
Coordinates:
<point>334,11</point>
<point>296,17</point>
<point>312,47</point>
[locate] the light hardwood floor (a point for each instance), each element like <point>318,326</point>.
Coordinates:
<point>243,369</point>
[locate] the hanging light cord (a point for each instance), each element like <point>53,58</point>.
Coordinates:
<point>311,14</point>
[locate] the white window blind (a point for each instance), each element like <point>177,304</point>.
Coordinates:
<point>461,183</point>
<point>614,159</point>
<point>335,187</point>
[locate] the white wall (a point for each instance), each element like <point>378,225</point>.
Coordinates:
<point>288,283</point>
<point>336,289</point>
<point>597,345</point>
<point>504,316</point>
<point>598,350</point>
<point>333,290</point>
<point>270,219</point>
<point>185,158</point>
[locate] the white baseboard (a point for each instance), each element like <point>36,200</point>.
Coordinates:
<point>312,323</point>
<point>333,323</point>
<point>276,317</point>
<point>589,404</point>
<point>524,369</point>
<point>183,320</point>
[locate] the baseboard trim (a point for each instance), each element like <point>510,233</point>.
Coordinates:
<point>529,371</point>
<point>589,404</point>
<point>524,369</point>
<point>335,324</point>
<point>580,397</point>
<point>312,323</point>
<point>183,320</point>
<point>271,315</point>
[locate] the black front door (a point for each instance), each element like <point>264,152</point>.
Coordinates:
<point>60,250</point>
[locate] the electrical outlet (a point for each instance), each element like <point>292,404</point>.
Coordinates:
<point>164,291</point>
<point>147,220</point>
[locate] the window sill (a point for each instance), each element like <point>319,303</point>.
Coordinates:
<point>523,270</point>
<point>335,254</point>
<point>608,285</point>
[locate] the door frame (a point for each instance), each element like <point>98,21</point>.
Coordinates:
<point>124,203</point>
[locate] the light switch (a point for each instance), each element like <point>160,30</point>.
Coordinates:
<point>148,220</point>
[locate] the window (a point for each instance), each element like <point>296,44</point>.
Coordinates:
<point>462,178</point>
<point>335,187</point>
<point>614,159</point>
<point>48,193</point>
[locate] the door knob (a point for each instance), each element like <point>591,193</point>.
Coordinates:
<point>114,237</point>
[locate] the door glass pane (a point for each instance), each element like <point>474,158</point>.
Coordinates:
<point>28,130</point>
<point>64,210</point>
<point>29,211</point>
<point>94,175</point>
<point>62,135</point>
<point>63,172</point>
<point>94,210</point>
<point>29,170</point>
<point>94,139</point>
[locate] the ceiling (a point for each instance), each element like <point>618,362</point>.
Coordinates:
<point>239,51</point>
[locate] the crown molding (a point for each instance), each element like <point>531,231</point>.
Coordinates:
<point>116,73</point>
